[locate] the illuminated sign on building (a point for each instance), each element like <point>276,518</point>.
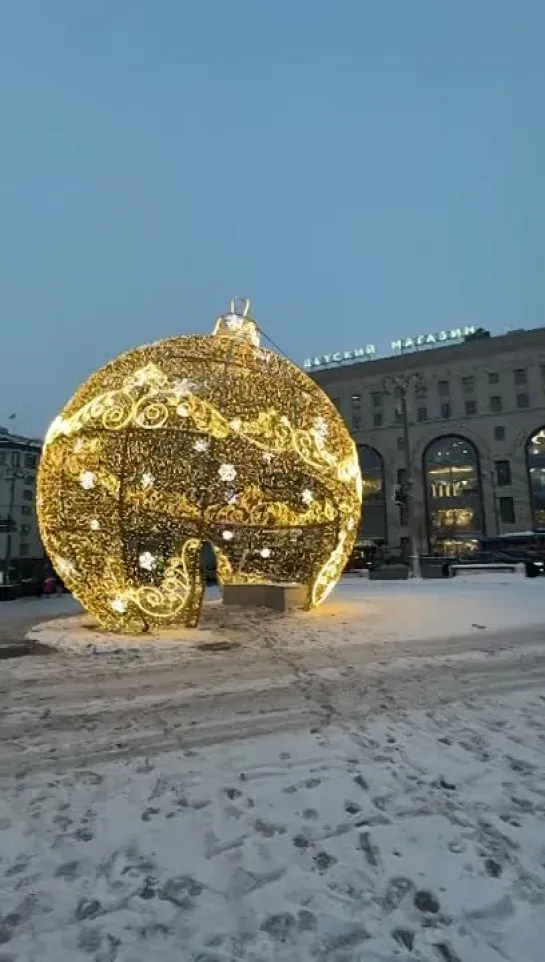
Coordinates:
<point>403,344</point>
<point>429,340</point>
<point>330,360</point>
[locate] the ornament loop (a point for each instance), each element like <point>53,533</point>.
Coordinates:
<point>236,308</point>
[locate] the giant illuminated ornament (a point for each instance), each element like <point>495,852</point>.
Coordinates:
<point>190,440</point>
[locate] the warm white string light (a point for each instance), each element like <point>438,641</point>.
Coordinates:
<point>193,439</point>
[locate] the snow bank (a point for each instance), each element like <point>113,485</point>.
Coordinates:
<point>357,612</point>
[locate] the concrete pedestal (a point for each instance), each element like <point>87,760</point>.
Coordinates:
<point>276,597</point>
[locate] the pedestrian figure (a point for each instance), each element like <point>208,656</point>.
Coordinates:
<point>50,585</point>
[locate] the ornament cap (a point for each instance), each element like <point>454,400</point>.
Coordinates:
<point>238,322</point>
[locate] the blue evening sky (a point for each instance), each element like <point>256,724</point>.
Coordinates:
<point>362,170</point>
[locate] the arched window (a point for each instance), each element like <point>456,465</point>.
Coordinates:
<point>373,523</point>
<point>453,496</point>
<point>535,454</point>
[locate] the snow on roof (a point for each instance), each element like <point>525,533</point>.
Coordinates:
<point>17,440</point>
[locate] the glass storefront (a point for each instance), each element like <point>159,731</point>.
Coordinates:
<point>536,477</point>
<point>373,523</point>
<point>453,496</point>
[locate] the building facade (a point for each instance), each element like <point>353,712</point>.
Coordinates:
<point>20,545</point>
<point>476,439</point>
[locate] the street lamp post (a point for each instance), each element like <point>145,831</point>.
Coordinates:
<point>491,476</point>
<point>496,507</point>
<point>400,385</point>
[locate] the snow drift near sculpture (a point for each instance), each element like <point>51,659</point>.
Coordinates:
<point>194,439</point>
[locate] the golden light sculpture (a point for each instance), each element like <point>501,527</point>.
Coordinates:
<point>189,440</point>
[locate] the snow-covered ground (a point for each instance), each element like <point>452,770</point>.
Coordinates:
<point>22,608</point>
<point>364,782</point>
<point>421,838</point>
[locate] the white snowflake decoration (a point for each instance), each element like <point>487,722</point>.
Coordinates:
<point>141,377</point>
<point>265,552</point>
<point>321,430</point>
<point>227,472</point>
<point>95,524</point>
<point>119,606</point>
<point>307,496</point>
<point>87,480</point>
<point>147,480</point>
<point>183,386</point>
<point>145,375</point>
<point>227,535</point>
<point>201,445</point>
<point>234,322</point>
<point>147,561</point>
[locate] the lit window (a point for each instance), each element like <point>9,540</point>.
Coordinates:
<point>535,450</point>
<point>373,523</point>
<point>451,468</point>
